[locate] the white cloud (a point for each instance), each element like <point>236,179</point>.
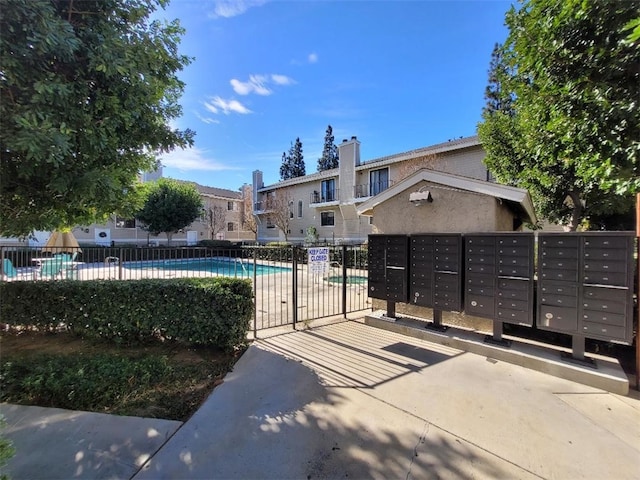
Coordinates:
<point>282,79</point>
<point>259,84</point>
<point>232,8</point>
<point>256,84</point>
<point>218,104</point>
<point>193,159</point>
<point>311,58</point>
<point>207,120</point>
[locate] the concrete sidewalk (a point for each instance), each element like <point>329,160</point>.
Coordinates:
<point>352,401</point>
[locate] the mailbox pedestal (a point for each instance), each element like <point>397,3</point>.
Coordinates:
<point>435,262</point>
<point>585,285</point>
<point>499,279</point>
<point>387,257</point>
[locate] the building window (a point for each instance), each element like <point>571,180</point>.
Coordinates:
<point>328,190</point>
<point>122,222</point>
<point>270,223</point>
<point>378,181</point>
<point>230,227</point>
<point>299,208</point>
<point>230,206</point>
<point>327,219</point>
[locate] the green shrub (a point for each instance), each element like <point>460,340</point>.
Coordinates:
<point>77,382</point>
<point>215,243</point>
<point>197,311</point>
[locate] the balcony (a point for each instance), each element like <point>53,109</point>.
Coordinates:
<point>326,196</point>
<point>370,189</point>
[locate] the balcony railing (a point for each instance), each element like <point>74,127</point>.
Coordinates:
<point>324,197</point>
<point>371,189</point>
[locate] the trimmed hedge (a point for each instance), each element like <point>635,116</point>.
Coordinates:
<point>196,311</point>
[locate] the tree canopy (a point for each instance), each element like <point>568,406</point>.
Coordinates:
<point>329,157</point>
<point>169,206</point>
<point>562,117</point>
<point>87,93</point>
<point>293,162</point>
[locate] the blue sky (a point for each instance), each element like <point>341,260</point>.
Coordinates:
<point>399,75</point>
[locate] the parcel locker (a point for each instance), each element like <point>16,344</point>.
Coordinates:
<point>586,284</point>
<point>388,257</point>
<point>435,266</point>
<point>499,276</point>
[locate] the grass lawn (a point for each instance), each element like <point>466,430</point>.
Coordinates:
<point>160,380</point>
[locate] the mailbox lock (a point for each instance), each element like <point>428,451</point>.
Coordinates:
<point>474,303</point>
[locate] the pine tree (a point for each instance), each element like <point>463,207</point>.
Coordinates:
<point>297,160</point>
<point>285,168</point>
<point>498,99</point>
<point>329,157</point>
<point>293,162</point>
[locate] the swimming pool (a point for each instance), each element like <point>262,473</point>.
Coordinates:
<point>228,267</point>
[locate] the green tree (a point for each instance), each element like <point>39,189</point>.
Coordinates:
<point>329,157</point>
<point>170,206</point>
<point>87,92</point>
<point>562,117</point>
<point>293,162</point>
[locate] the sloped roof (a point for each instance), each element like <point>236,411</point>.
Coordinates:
<point>517,198</point>
<point>214,191</point>
<point>451,145</point>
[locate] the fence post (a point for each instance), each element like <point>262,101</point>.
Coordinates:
<point>2,265</point>
<point>345,259</point>
<point>294,285</point>
<point>120,261</point>
<point>255,295</point>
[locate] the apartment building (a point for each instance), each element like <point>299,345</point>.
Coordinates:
<point>226,205</point>
<point>326,202</point>
<point>229,224</point>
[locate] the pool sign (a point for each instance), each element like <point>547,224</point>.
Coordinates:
<point>318,260</point>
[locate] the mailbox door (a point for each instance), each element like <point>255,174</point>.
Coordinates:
<point>514,269</point>
<point>377,270</point>
<point>447,268</point>
<point>421,263</point>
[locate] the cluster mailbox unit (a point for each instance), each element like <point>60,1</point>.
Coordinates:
<point>388,273</point>
<point>584,280</point>
<point>585,285</point>
<point>435,271</point>
<point>499,278</point>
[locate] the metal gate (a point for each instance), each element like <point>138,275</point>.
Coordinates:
<point>290,291</point>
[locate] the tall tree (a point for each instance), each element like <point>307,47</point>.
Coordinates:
<point>88,90</point>
<point>329,157</point>
<point>280,207</point>
<point>285,167</point>
<point>562,116</point>
<point>215,218</point>
<point>293,162</point>
<point>248,220</point>
<point>169,206</point>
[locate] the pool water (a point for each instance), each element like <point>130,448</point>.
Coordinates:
<point>351,279</point>
<point>227,267</point>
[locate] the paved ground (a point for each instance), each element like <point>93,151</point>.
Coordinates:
<point>352,401</point>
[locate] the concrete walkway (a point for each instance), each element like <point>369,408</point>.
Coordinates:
<point>352,401</point>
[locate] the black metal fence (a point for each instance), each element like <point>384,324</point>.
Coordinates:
<point>289,288</point>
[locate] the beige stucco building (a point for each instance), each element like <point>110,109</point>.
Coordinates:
<point>118,231</point>
<point>123,231</point>
<point>331,201</point>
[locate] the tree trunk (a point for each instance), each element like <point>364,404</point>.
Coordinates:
<point>576,212</point>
